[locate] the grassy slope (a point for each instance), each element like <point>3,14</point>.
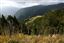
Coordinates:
<point>20,38</point>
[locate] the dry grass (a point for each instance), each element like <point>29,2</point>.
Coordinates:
<point>20,38</point>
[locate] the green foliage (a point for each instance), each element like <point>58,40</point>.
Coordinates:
<point>50,23</point>
<point>9,26</point>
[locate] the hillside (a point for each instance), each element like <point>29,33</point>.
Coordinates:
<point>51,23</point>
<point>47,28</point>
<point>36,10</point>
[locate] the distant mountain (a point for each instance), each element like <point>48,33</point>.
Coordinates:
<point>36,10</point>
<point>8,10</point>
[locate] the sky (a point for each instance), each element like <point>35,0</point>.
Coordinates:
<point>27,3</point>
<point>5,4</point>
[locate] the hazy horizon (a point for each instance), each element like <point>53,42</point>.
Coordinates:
<point>10,6</point>
<point>27,3</point>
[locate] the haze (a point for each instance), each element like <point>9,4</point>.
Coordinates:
<point>9,6</point>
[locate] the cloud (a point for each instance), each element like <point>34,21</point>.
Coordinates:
<point>28,3</point>
<point>43,2</point>
<point>9,3</point>
<point>38,0</point>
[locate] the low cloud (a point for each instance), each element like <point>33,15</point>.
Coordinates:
<point>43,2</point>
<point>28,3</point>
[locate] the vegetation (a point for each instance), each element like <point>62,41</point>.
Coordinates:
<point>33,30</point>
<point>50,23</point>
<point>21,38</point>
<point>9,26</point>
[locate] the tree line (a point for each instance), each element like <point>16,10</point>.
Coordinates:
<point>9,25</point>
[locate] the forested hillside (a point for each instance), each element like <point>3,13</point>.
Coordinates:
<point>52,22</point>
<point>36,10</point>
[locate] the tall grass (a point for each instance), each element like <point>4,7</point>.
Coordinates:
<point>21,38</point>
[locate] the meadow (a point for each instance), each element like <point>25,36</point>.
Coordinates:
<point>21,38</point>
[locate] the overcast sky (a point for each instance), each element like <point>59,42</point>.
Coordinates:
<point>39,1</point>
<point>36,0</point>
<point>27,3</point>
<point>24,3</point>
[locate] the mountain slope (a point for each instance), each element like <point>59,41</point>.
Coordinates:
<point>52,23</point>
<point>36,10</point>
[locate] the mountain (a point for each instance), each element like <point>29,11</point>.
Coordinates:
<point>52,23</point>
<point>8,10</point>
<point>36,10</point>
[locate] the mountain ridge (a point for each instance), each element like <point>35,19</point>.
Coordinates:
<point>36,10</point>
